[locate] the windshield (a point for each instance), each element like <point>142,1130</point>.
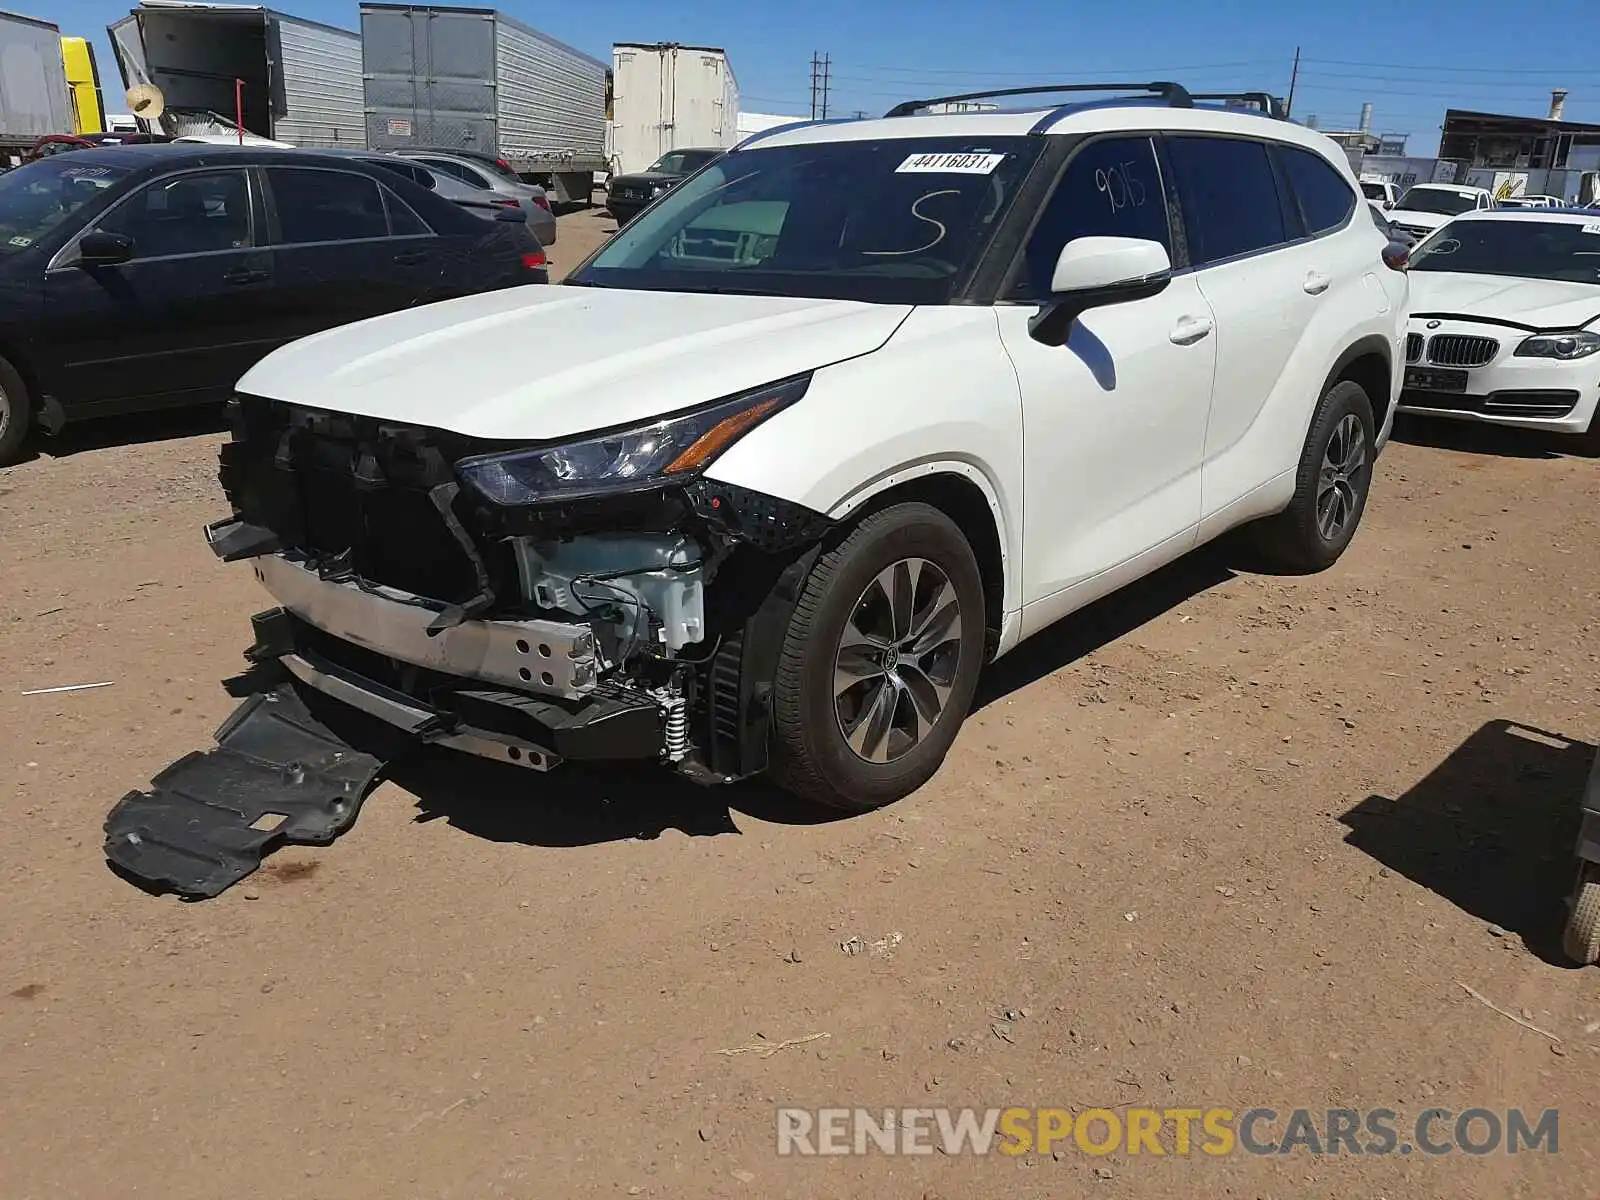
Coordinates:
<point>1528,249</point>
<point>36,198</point>
<point>682,162</point>
<point>1438,200</point>
<point>1374,191</point>
<point>892,221</point>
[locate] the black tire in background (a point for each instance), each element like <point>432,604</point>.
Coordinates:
<point>16,413</point>
<point>858,661</point>
<point>1331,485</point>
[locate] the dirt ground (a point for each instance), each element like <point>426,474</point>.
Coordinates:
<point>1225,839</point>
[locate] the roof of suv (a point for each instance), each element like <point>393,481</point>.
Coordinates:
<point>1098,116</point>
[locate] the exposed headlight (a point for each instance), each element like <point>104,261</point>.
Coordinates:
<point>675,448</point>
<point>1565,346</point>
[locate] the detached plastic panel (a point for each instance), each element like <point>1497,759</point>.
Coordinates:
<point>278,776</point>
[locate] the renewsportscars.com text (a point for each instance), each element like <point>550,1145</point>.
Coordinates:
<point>1211,1131</point>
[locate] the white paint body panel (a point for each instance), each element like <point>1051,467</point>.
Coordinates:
<point>1100,460</point>
<point>629,355</point>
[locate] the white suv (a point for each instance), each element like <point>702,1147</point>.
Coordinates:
<point>853,410</point>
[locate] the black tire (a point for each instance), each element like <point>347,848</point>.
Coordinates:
<point>16,413</point>
<point>1298,540</point>
<point>812,756</point>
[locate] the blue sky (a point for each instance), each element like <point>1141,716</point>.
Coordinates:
<point>1410,61</point>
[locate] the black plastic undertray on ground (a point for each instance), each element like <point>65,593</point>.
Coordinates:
<point>277,776</point>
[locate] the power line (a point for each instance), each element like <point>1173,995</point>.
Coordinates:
<point>1340,62</point>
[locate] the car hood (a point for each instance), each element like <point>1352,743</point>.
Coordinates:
<point>1538,303</point>
<point>645,179</point>
<point>1416,218</point>
<point>536,363</point>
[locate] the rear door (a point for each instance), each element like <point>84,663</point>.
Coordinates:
<point>344,252</point>
<point>182,320</point>
<point>1240,222</point>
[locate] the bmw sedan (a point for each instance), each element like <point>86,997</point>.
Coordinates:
<point>1505,321</point>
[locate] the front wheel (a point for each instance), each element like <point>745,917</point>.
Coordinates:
<point>1331,485</point>
<point>1581,939</point>
<point>880,661</point>
<point>15,413</point>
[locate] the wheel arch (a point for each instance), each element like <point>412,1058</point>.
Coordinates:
<point>1369,361</point>
<point>11,351</point>
<point>966,495</point>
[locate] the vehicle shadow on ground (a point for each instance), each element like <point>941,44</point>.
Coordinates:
<point>583,806</point>
<point>1492,829</point>
<point>134,429</point>
<point>578,805</point>
<point>1471,437</point>
<point>1108,619</point>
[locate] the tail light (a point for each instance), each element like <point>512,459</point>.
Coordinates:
<point>503,165</point>
<point>505,203</point>
<point>1396,256</point>
<point>543,202</point>
<point>535,260</point>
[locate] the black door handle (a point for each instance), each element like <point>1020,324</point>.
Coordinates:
<point>408,258</point>
<point>242,275</point>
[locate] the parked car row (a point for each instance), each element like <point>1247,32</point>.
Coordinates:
<point>151,276</point>
<point>480,183</point>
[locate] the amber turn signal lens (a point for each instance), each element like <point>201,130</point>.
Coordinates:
<point>714,440</point>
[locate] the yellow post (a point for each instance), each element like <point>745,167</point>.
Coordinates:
<point>83,81</point>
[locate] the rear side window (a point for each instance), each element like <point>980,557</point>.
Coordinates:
<point>1111,188</point>
<point>458,171</point>
<point>1228,192</point>
<point>1324,196</point>
<point>326,206</point>
<point>403,219</point>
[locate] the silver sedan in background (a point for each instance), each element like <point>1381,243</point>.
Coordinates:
<point>529,197</point>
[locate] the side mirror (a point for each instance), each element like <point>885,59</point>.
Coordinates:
<point>100,249</point>
<point>515,215</point>
<point>1092,272</point>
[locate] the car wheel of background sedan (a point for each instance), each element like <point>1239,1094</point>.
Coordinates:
<point>880,661</point>
<point>1331,486</point>
<point>16,413</point>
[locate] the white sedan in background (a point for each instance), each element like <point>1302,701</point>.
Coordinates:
<point>1504,321</point>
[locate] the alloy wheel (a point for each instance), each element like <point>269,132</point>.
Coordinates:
<point>896,661</point>
<point>1342,464</point>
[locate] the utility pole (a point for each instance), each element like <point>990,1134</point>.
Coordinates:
<point>827,68</point>
<point>816,76</point>
<point>1294,77</point>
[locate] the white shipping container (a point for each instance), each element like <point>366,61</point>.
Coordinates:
<point>33,81</point>
<point>475,79</point>
<point>669,97</point>
<point>302,79</point>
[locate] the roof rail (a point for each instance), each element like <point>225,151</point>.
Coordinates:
<point>1174,94</point>
<point>1269,104</point>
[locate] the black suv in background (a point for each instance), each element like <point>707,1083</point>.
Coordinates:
<point>627,195</point>
<point>145,277</point>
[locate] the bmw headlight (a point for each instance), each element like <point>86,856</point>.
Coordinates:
<point>1565,346</point>
<point>666,450</point>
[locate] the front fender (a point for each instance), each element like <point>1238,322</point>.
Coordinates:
<point>940,397</point>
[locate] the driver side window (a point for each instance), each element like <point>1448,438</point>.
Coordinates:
<point>1111,188</point>
<point>200,213</point>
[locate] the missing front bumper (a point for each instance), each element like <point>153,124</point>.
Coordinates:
<point>555,658</point>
